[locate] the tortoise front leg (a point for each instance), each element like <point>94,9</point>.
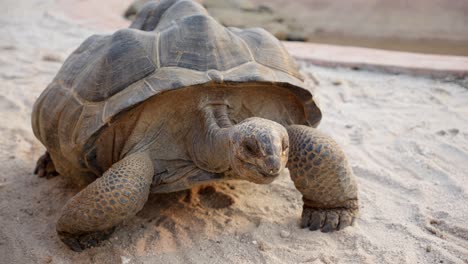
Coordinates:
<point>320,171</point>
<point>92,214</point>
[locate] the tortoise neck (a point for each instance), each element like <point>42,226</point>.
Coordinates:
<point>219,113</point>
<point>209,146</point>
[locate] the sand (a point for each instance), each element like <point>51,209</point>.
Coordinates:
<point>406,139</point>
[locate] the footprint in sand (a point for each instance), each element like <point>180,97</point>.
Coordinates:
<point>210,198</point>
<point>7,105</point>
<point>451,132</point>
<point>448,231</point>
<point>356,136</point>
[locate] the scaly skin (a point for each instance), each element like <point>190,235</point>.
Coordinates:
<point>91,215</point>
<point>320,171</point>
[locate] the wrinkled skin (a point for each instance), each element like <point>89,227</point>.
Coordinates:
<point>259,150</point>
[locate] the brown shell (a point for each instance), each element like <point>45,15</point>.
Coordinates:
<point>172,44</point>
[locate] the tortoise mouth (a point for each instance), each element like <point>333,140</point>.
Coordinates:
<point>256,175</point>
<point>268,175</point>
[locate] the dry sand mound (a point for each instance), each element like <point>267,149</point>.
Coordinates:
<point>406,138</point>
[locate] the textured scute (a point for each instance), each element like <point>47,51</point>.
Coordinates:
<point>180,9</point>
<point>131,96</point>
<point>268,51</point>
<point>173,78</point>
<point>151,14</point>
<point>90,119</point>
<point>71,112</point>
<point>52,117</point>
<point>80,59</point>
<point>251,72</point>
<point>200,43</point>
<point>120,63</point>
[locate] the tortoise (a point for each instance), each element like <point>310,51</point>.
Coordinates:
<point>175,101</point>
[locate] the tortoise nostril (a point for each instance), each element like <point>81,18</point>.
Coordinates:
<point>272,166</point>
<point>274,171</point>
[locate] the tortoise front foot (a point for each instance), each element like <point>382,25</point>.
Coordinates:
<point>320,171</point>
<point>91,215</point>
<point>45,167</point>
<point>327,220</point>
<point>79,242</point>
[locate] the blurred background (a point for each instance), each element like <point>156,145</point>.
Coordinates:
<point>425,26</point>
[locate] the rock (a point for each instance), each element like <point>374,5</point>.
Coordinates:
<point>337,82</point>
<point>262,246</point>
<point>285,234</point>
<point>428,248</point>
<point>48,259</point>
<point>454,131</point>
<point>4,184</point>
<point>125,260</point>
<point>296,36</point>
<point>52,57</point>
<point>27,211</point>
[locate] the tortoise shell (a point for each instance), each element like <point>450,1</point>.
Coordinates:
<point>171,45</point>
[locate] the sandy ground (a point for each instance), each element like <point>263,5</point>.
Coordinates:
<point>406,138</point>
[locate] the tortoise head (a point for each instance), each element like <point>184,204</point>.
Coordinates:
<point>258,149</point>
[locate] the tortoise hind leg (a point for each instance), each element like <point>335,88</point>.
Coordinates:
<point>320,171</point>
<point>91,215</point>
<point>45,167</point>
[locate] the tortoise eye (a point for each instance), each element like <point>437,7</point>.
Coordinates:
<point>251,146</point>
<point>285,145</point>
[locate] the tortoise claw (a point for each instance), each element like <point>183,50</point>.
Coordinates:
<point>327,220</point>
<point>81,242</point>
<point>45,167</point>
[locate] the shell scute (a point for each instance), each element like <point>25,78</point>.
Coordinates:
<point>200,43</point>
<point>122,61</point>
